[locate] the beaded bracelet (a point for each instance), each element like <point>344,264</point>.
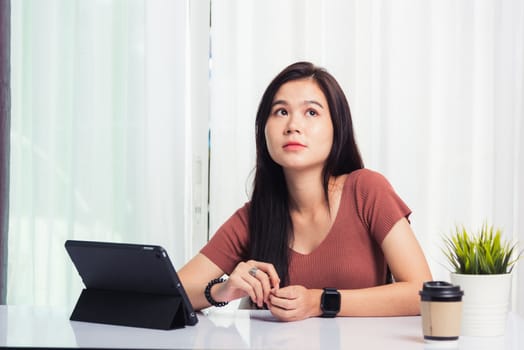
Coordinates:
<point>207,293</point>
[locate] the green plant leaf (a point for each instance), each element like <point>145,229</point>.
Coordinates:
<point>482,252</point>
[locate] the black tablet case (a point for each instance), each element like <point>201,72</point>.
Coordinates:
<point>130,285</point>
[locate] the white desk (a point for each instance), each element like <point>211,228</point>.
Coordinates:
<point>234,329</point>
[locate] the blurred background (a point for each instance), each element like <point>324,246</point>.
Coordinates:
<point>133,120</point>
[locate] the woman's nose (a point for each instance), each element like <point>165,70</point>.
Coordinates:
<point>292,125</point>
<point>292,130</point>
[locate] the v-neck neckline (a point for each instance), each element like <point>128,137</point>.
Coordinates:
<point>333,224</point>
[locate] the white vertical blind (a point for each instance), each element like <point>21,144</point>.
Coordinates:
<point>106,129</point>
<point>436,94</point>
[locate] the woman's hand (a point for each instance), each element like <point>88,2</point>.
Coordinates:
<point>253,278</point>
<point>295,303</point>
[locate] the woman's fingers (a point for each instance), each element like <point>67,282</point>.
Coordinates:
<point>267,275</point>
<point>259,281</point>
<point>248,285</point>
<point>256,279</point>
<point>270,271</point>
<point>294,303</point>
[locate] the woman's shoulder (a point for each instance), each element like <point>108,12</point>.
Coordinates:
<point>242,213</point>
<point>365,182</point>
<point>236,223</point>
<point>366,177</point>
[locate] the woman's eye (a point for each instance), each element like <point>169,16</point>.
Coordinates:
<point>281,112</point>
<point>312,113</point>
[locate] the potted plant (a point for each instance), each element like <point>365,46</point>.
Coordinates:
<point>481,265</point>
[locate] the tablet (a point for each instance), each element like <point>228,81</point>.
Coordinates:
<point>134,268</point>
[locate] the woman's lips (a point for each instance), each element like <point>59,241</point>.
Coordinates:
<point>293,146</point>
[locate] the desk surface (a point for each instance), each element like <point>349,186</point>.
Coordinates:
<point>234,329</point>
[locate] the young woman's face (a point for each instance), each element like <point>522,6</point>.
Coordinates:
<point>299,130</point>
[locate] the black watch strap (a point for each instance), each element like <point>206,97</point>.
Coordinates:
<point>330,302</point>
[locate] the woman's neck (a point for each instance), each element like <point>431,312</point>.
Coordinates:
<point>306,192</point>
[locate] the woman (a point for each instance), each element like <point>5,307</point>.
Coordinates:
<point>320,232</point>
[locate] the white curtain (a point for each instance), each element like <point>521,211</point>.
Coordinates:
<point>436,90</point>
<point>109,137</point>
<point>110,110</point>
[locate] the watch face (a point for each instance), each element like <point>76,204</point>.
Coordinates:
<point>331,301</point>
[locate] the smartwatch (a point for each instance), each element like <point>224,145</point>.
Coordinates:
<point>330,302</point>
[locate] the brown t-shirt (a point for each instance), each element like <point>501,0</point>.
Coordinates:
<point>350,256</point>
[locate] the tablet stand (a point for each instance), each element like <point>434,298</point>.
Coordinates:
<point>129,309</point>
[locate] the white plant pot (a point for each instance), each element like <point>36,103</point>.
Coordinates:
<point>485,303</point>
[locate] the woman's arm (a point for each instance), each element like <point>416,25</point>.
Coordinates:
<point>197,273</point>
<point>410,269</point>
<point>195,276</point>
<point>408,265</point>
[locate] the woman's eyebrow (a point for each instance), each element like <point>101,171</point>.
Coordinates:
<point>279,102</point>
<point>306,102</point>
<point>314,102</point>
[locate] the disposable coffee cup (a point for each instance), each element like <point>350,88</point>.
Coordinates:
<point>441,309</point>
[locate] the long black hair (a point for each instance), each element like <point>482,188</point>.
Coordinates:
<point>270,224</point>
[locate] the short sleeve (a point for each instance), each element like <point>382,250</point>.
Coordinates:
<point>379,207</point>
<point>228,246</point>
